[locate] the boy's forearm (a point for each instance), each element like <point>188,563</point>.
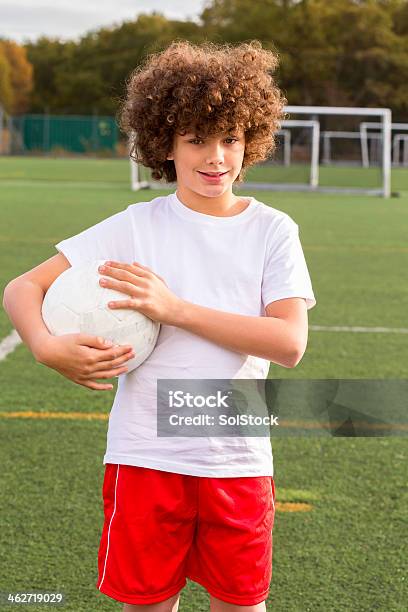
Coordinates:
<point>266,337</point>
<point>22,301</point>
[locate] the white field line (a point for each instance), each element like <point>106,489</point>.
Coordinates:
<point>367,330</point>
<point>9,343</point>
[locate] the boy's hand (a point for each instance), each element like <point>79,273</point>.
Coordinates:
<point>148,291</point>
<point>83,358</point>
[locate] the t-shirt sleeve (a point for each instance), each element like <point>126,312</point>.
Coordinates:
<point>285,272</point>
<point>110,239</point>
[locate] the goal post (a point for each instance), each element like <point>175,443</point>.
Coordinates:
<point>136,179</point>
<point>286,145</point>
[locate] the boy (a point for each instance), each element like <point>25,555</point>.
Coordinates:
<point>226,278</point>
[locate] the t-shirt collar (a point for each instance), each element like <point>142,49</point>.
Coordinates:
<point>198,217</point>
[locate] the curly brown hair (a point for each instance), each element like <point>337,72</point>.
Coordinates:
<point>205,89</point>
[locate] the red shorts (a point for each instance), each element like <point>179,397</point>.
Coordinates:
<point>161,527</point>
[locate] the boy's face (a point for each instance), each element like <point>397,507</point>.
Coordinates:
<point>208,167</point>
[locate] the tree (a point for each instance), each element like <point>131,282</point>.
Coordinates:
<point>90,75</point>
<point>20,76</point>
<point>48,57</point>
<point>372,61</point>
<point>342,52</point>
<point>6,91</point>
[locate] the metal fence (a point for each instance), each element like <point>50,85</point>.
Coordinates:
<point>54,133</point>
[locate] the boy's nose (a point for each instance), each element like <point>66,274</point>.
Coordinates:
<point>216,156</point>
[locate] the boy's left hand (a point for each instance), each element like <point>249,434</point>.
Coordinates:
<point>148,292</point>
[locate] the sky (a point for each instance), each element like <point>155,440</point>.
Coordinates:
<point>23,20</point>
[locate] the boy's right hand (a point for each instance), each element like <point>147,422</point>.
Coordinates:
<point>83,358</point>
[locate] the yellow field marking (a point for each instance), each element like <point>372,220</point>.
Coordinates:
<point>292,507</point>
<point>88,416</point>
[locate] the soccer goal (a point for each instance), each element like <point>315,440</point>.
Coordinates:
<point>399,139</point>
<point>320,148</point>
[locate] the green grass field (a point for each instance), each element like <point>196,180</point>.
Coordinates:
<point>345,551</point>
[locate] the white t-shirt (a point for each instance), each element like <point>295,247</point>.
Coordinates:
<point>236,264</point>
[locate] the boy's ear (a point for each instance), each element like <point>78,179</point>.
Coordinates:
<point>170,156</point>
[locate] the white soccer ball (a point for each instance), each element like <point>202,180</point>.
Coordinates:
<point>76,303</point>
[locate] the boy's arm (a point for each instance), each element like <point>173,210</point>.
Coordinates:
<point>23,298</point>
<point>280,337</point>
<point>22,301</point>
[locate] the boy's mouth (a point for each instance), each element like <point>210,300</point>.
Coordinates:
<point>213,173</point>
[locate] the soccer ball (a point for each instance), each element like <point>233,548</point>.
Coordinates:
<point>76,303</point>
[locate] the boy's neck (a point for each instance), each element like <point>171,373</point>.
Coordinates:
<point>226,205</point>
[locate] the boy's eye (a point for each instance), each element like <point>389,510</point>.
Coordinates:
<point>199,140</point>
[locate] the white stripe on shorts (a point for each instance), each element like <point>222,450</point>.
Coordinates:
<point>110,523</point>
<point>273,501</point>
